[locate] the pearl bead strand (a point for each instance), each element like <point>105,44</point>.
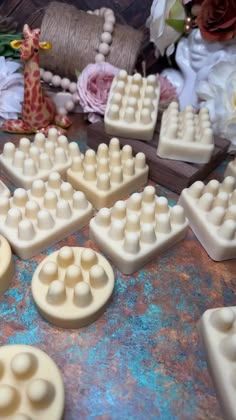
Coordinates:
<point>66,85</point>
<point>106,37</point>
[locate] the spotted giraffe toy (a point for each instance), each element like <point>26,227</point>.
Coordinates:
<point>38,111</point>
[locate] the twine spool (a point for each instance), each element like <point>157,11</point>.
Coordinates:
<point>75,36</point>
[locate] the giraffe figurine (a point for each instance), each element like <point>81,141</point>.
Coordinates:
<point>38,111</point>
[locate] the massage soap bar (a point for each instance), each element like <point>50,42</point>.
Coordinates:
<point>34,219</point>
<point>137,230</point>
<point>211,211</point>
<point>31,385</point>
<point>31,161</point>
<point>132,106</point>
<point>6,264</point>
<point>185,135</point>
<point>72,286</point>
<point>108,175</point>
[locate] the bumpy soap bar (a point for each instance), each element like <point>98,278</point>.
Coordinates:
<point>35,219</point>
<point>31,386</point>
<point>211,210</point>
<point>185,135</point>
<point>30,161</point>
<point>137,230</point>
<point>6,265</point>
<point>132,106</point>
<point>108,175</point>
<point>218,332</point>
<point>231,168</point>
<point>72,286</point>
<point>4,191</point>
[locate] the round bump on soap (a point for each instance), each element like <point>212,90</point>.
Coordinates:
<point>24,144</point>
<point>206,201</point>
<point>116,98</point>
<point>31,209</point>
<point>60,156</point>
<point>222,319</point>
<point>103,166</point>
<point>82,294</point>
<point>45,162</point>
<point>114,145</point>
<point>137,79</point>
<point>9,399</point>
<point>129,167</point>
<point>163,223</point>
<point>26,231</point>
<point>103,182</point>
<point>115,159</point>
<point>134,201</point>
<point>147,234</point>
<point>79,200</point>
<point>148,214</point>
<point>45,220</point>
<point>77,164</point>
<point>90,157</point>
<point>97,277</point>
<point>212,187</point>
<point>38,188</point>
<point>221,200</point>
<point>152,80</point>
<point>196,189</point>
<point>88,258</point>
<point>65,257</point>
<point>150,92</point>
<point>73,275</point>
<point>54,180</point>
<point>216,216</point>
<point>4,205</point>
<point>131,242</point>
<point>103,217</point>
<point>9,150</point>
<point>29,167</point>
<point>132,223</point>
<point>227,230</point>
<point>116,175</point>
<point>102,151</point>
<point>50,200</point>
<point>39,140</point>
<point>14,216</point>
<point>117,229</point>
<point>120,86</point>
<point>126,152</point>
<point>52,134</point>
<point>119,210</point>
<point>74,149</point>
<point>177,215</point>
<point>130,114</point>
<point>89,173</point>
<point>135,91</point>
<point>146,117</point>
<point>122,75</point>
<point>140,161</point>
<point>228,184</point>
<point>148,194</point>
<point>24,365</point>
<point>66,191</point>
<point>48,272</point>
<point>113,112</point>
<point>56,293</point>
<point>63,142</point>
<point>20,197</point>
<point>40,392</point>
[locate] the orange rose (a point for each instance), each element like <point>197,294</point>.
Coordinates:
<point>217,20</point>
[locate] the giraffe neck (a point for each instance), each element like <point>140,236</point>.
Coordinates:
<point>32,79</point>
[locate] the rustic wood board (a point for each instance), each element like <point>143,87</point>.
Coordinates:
<point>172,174</point>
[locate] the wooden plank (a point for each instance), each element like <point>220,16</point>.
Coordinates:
<point>172,174</point>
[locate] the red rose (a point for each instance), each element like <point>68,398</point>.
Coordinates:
<point>217,20</point>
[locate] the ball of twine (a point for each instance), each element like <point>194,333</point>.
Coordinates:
<point>75,36</point>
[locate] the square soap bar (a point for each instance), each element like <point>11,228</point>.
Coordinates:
<point>108,175</point>
<point>137,230</point>
<point>4,191</point>
<point>132,106</point>
<point>231,168</point>
<point>31,385</point>
<point>30,161</point>
<point>6,264</point>
<point>35,219</point>
<point>217,330</point>
<point>211,211</point>
<point>72,286</point>
<point>185,135</point>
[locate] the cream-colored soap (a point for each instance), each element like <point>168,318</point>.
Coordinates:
<point>31,385</point>
<point>6,264</point>
<point>185,135</point>
<point>135,231</point>
<point>109,174</point>
<point>34,219</point>
<point>231,168</point>
<point>72,286</point>
<point>211,211</point>
<point>132,106</point>
<point>218,333</point>
<point>4,191</point>
<point>36,160</point>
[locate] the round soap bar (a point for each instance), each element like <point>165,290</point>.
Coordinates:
<point>31,385</point>
<point>72,286</point>
<point>6,264</point>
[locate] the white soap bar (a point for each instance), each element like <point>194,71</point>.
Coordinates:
<point>4,191</point>
<point>211,210</point>
<point>108,175</point>
<point>35,219</point>
<point>231,168</point>
<point>132,106</point>
<point>72,287</point>
<point>217,329</point>
<point>30,161</point>
<point>137,230</point>
<point>185,135</point>
<point>6,264</point>
<point>31,385</point>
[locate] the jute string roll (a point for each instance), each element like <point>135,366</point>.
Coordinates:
<point>75,36</point>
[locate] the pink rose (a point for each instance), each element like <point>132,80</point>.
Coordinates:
<point>93,86</point>
<point>168,91</point>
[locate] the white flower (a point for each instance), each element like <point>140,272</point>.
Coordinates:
<point>217,91</point>
<point>162,34</point>
<point>11,89</point>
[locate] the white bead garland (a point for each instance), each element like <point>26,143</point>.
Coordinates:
<point>106,37</point>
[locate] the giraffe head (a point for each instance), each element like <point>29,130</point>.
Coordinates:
<point>29,47</point>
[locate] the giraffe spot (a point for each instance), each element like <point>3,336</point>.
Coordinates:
<point>36,73</point>
<point>27,94</point>
<point>39,117</point>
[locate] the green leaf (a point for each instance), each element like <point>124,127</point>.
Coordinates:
<point>177,11</point>
<point>177,25</point>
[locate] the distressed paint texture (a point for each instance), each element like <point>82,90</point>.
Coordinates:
<point>142,359</point>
